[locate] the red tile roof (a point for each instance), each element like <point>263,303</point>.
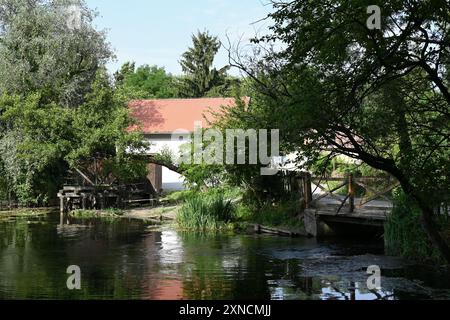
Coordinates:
<point>168,115</point>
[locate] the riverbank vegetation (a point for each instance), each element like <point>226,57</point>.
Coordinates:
<point>224,209</point>
<point>25,213</point>
<point>404,234</point>
<point>286,215</point>
<point>206,213</point>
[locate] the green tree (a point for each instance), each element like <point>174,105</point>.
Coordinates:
<point>379,96</point>
<point>146,82</point>
<point>37,136</point>
<point>197,64</point>
<point>100,130</point>
<point>41,51</point>
<point>126,69</point>
<point>41,141</point>
<point>57,105</point>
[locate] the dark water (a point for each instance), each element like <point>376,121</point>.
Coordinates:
<point>125,259</point>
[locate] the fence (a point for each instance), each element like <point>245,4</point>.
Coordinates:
<point>354,191</point>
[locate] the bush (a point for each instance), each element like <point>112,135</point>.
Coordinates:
<point>206,213</point>
<point>180,197</point>
<point>282,214</point>
<point>404,235</point>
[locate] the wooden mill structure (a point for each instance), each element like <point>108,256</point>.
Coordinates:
<point>81,192</point>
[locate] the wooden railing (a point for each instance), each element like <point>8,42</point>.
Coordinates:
<point>367,187</point>
<point>365,184</point>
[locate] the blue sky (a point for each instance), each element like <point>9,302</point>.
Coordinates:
<point>159,31</point>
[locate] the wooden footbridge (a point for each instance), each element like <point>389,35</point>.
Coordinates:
<point>345,204</point>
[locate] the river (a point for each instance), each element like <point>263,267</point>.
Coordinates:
<point>128,259</point>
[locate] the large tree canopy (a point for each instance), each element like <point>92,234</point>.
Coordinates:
<point>380,96</point>
<point>41,50</point>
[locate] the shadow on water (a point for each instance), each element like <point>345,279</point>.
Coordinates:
<point>125,259</point>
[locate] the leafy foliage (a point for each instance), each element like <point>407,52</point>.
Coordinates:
<point>283,214</point>
<point>146,82</point>
<point>39,51</point>
<point>404,234</point>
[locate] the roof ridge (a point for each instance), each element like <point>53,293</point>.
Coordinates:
<point>182,99</point>
<point>185,99</point>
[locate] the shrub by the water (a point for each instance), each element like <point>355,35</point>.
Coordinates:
<point>404,234</point>
<point>282,214</point>
<point>206,213</point>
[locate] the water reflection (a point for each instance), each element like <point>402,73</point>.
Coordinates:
<point>124,259</point>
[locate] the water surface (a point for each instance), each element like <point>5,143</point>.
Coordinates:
<point>127,259</point>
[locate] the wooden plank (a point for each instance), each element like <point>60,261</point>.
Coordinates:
<point>330,192</point>
<point>318,179</point>
<point>351,192</point>
<point>343,204</point>
<point>370,199</point>
<point>275,231</point>
<point>84,176</point>
<point>72,195</point>
<point>136,201</point>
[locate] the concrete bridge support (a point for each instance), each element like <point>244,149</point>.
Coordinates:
<point>315,226</point>
<point>322,224</point>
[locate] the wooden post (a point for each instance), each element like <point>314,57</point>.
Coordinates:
<point>351,192</point>
<point>61,209</point>
<point>83,201</point>
<point>307,189</point>
<point>61,204</point>
<point>102,202</point>
<point>118,202</point>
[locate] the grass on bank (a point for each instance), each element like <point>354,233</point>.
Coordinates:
<point>89,214</point>
<point>219,209</point>
<point>26,213</point>
<point>206,213</point>
<point>180,197</point>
